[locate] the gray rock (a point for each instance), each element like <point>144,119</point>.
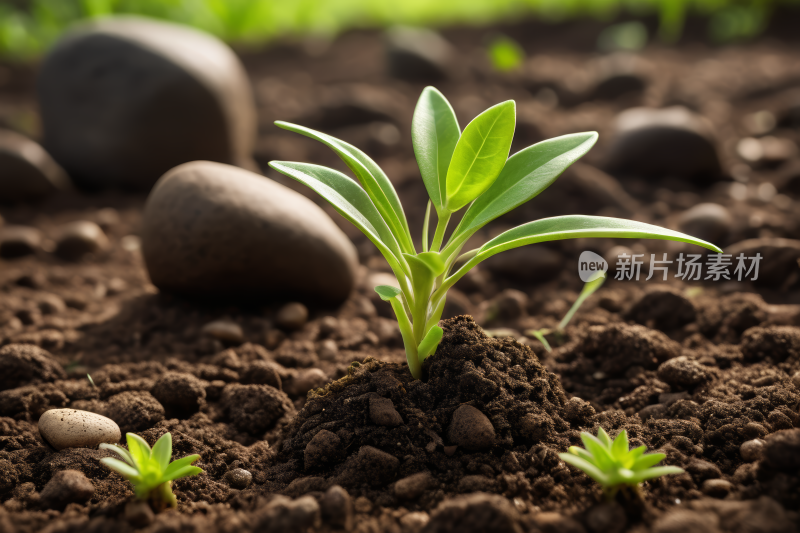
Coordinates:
<point>328,350</point>
<point>751,450</point>
<point>224,330</point>
<point>65,487</point>
<point>337,508</point>
<point>383,413</point>
<point>80,238</point>
<point>702,470</point>
<point>375,466</point>
<point>323,448</point>
<point>417,54</point>
<point>71,428</point>
<point>413,486</point>
<point>19,241</point>
<point>707,221</point>
<point>647,141</point>
<point>239,478</point>
<point>124,99</point>
<point>305,380</point>
<point>27,172</point>
<point>292,316</point>
<point>471,429</point>
<point>21,364</point>
<point>215,230</point>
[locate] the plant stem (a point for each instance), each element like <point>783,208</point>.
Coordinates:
<point>408,338</point>
<point>425,227</point>
<point>441,226</point>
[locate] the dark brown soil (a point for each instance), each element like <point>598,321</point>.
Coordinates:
<point>691,370</point>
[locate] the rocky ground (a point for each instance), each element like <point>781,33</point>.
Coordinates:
<point>304,414</point>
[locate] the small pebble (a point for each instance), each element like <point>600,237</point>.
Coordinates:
<point>337,508</point>
<point>471,429</point>
<point>239,478</point>
<point>707,221</point>
<point>71,428</point>
<point>79,239</point>
<point>328,350</point>
<point>383,413</point>
<point>310,378</point>
<point>224,330</point>
<point>796,379</point>
<point>65,487</point>
<point>413,486</point>
<point>293,315</point>
<point>328,325</point>
<point>19,241</point>
<point>415,521</point>
<point>751,450</point>
<point>716,488</point>
<point>324,447</point>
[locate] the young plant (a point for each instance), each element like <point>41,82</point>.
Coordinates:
<point>613,465</point>
<point>150,470</point>
<point>591,286</point>
<point>468,171</point>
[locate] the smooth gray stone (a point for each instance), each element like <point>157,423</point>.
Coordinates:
<point>125,98</point>
<point>216,230</point>
<point>27,172</point>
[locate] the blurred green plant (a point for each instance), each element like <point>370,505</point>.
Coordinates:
<point>27,27</point>
<point>505,53</point>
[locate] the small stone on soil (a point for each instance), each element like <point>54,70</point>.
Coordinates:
<point>471,429</point>
<point>80,238</point>
<point>65,487</point>
<point>337,508</point>
<point>383,413</point>
<point>751,450</point>
<point>306,380</point>
<point>323,448</point>
<point>413,486</point>
<point>71,428</point>
<point>239,478</point>
<point>717,488</point>
<point>19,241</point>
<point>328,350</point>
<point>224,330</point>
<point>293,315</point>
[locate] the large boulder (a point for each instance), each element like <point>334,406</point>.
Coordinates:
<point>125,99</point>
<point>215,230</point>
<point>664,142</point>
<point>27,172</point>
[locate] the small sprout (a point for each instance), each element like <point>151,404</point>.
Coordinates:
<point>465,170</point>
<point>613,465</point>
<point>150,470</point>
<point>89,377</point>
<point>594,283</point>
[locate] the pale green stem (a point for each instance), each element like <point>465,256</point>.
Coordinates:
<point>408,338</point>
<point>441,227</point>
<point>425,227</point>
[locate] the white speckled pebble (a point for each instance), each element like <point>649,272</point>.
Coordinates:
<point>71,428</point>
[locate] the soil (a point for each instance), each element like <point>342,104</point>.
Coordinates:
<point>692,370</point>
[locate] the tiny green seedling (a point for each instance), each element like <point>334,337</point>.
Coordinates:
<point>613,465</point>
<point>591,286</point>
<point>89,377</point>
<point>467,170</point>
<point>150,470</point>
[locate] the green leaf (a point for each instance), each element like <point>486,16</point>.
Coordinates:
<point>588,468</point>
<point>589,288</point>
<point>180,463</point>
<point>121,468</point>
<point>480,155</point>
<point>538,334</point>
<point>580,452</point>
<point>119,450</point>
<point>578,226</point>
<point>620,446</point>
<point>434,261</point>
<point>429,343</point>
<point>434,134</point>
<point>425,225</point>
<point>648,460</point>
<point>140,450</point>
<point>349,200</point>
<point>603,437</point>
<point>525,175</point>
<point>652,473</point>
<point>372,178</point>
<point>595,446</point>
<point>387,292</point>
<point>162,451</point>
<point>182,472</point>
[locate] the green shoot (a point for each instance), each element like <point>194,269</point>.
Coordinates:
<point>613,465</point>
<point>505,54</point>
<point>89,377</point>
<point>150,470</point>
<point>462,170</point>
<point>594,283</point>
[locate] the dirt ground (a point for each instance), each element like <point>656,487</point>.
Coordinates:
<point>691,369</point>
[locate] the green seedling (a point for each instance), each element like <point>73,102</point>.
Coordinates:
<point>89,377</point>
<point>150,470</point>
<point>505,54</point>
<point>465,170</point>
<point>589,288</point>
<point>613,465</point>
